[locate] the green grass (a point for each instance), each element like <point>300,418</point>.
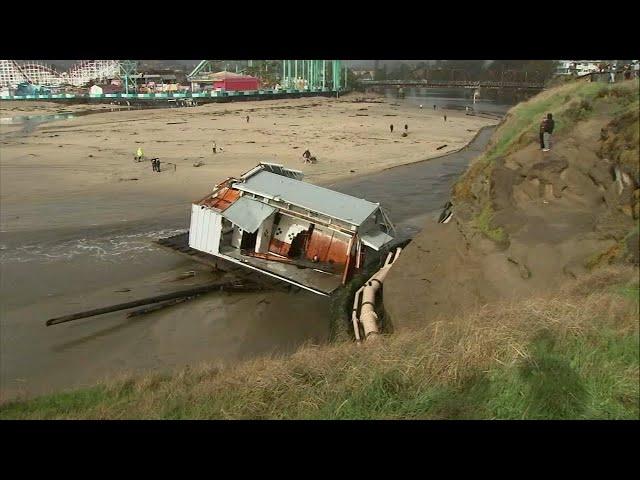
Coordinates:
<point>634,231</point>
<point>630,292</point>
<point>569,103</point>
<point>522,125</point>
<point>573,356</point>
<point>484,223</point>
<point>576,377</point>
<point>591,377</point>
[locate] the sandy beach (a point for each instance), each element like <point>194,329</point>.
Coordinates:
<point>91,157</point>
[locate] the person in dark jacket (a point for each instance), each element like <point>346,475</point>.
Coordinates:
<point>391,127</point>
<point>549,125</point>
<point>542,127</point>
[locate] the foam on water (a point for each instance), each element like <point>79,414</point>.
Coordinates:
<point>111,249</point>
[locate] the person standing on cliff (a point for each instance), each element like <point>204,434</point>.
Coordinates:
<point>549,125</point>
<point>542,127</point>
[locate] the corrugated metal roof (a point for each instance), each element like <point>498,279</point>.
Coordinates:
<point>273,168</point>
<point>376,239</point>
<point>281,170</point>
<point>308,196</point>
<point>248,214</point>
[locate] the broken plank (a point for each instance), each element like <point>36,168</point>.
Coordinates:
<point>145,301</point>
<point>158,306</point>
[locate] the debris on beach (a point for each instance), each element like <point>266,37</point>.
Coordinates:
<point>185,275</point>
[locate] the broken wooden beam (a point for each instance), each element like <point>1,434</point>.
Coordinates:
<point>236,288</point>
<point>228,286</point>
<point>158,306</point>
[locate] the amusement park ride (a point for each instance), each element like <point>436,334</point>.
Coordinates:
<point>294,74</point>
<point>14,72</point>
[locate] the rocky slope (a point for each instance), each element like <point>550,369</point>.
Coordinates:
<point>525,220</point>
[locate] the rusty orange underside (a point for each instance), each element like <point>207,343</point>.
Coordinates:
<point>222,200</point>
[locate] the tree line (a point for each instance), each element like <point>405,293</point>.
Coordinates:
<point>471,70</point>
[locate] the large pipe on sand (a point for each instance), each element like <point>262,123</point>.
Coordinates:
<point>368,316</point>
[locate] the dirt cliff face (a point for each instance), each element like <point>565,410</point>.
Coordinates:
<point>525,220</point>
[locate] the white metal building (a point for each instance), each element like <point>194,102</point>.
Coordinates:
<point>577,67</point>
<point>271,221</point>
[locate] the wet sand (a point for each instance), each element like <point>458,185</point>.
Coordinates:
<point>76,229</point>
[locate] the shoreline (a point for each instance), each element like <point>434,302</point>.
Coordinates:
<point>461,149</point>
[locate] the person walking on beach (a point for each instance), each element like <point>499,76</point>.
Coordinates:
<point>215,148</point>
<point>247,118</point>
<point>434,106</point>
<point>406,128</point>
<point>391,127</point>
<point>153,164</point>
<point>549,125</point>
<point>445,117</point>
<point>139,155</point>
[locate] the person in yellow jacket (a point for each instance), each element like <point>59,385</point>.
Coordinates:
<point>139,155</point>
